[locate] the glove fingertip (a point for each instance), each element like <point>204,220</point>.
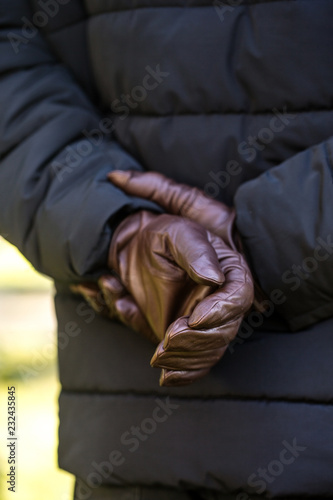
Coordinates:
<point>170,378</point>
<point>203,316</point>
<point>119,177</point>
<point>208,276</point>
<point>111,284</point>
<point>155,359</point>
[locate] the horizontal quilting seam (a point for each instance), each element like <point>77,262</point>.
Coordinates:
<point>217,4</point>
<point>65,26</point>
<point>209,397</point>
<point>226,113</point>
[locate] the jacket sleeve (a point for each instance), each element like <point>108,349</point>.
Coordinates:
<point>285,217</point>
<point>56,204</point>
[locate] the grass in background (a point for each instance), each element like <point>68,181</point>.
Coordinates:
<point>28,361</point>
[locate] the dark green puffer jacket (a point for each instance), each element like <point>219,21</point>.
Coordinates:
<point>233,97</point>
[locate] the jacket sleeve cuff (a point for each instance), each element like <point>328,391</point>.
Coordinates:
<point>75,227</point>
<point>285,219</point>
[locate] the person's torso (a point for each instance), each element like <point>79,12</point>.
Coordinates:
<point>212,94</point>
<point>209,93</point>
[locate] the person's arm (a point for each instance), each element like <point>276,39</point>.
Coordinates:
<point>285,217</point>
<point>56,204</point>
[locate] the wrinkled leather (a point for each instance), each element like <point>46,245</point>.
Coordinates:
<point>190,202</point>
<point>192,345</point>
<point>182,281</point>
<point>167,264</point>
<point>110,298</point>
<point>179,199</point>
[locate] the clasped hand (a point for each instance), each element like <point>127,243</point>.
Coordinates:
<point>178,278</point>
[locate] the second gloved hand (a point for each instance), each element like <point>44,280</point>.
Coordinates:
<point>194,344</point>
<point>178,284</point>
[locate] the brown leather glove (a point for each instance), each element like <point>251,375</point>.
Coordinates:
<point>159,258</point>
<point>179,199</point>
<point>167,264</point>
<point>110,299</point>
<point>207,321</point>
<point>191,346</point>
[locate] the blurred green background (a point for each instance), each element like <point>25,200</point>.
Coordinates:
<point>28,361</point>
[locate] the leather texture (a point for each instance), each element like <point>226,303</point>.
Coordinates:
<point>179,199</point>
<point>192,203</point>
<point>187,288</point>
<point>171,265</point>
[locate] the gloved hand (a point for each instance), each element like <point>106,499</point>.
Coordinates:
<point>192,345</point>
<point>179,199</point>
<point>160,259</point>
<point>167,264</point>
<point>208,321</point>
